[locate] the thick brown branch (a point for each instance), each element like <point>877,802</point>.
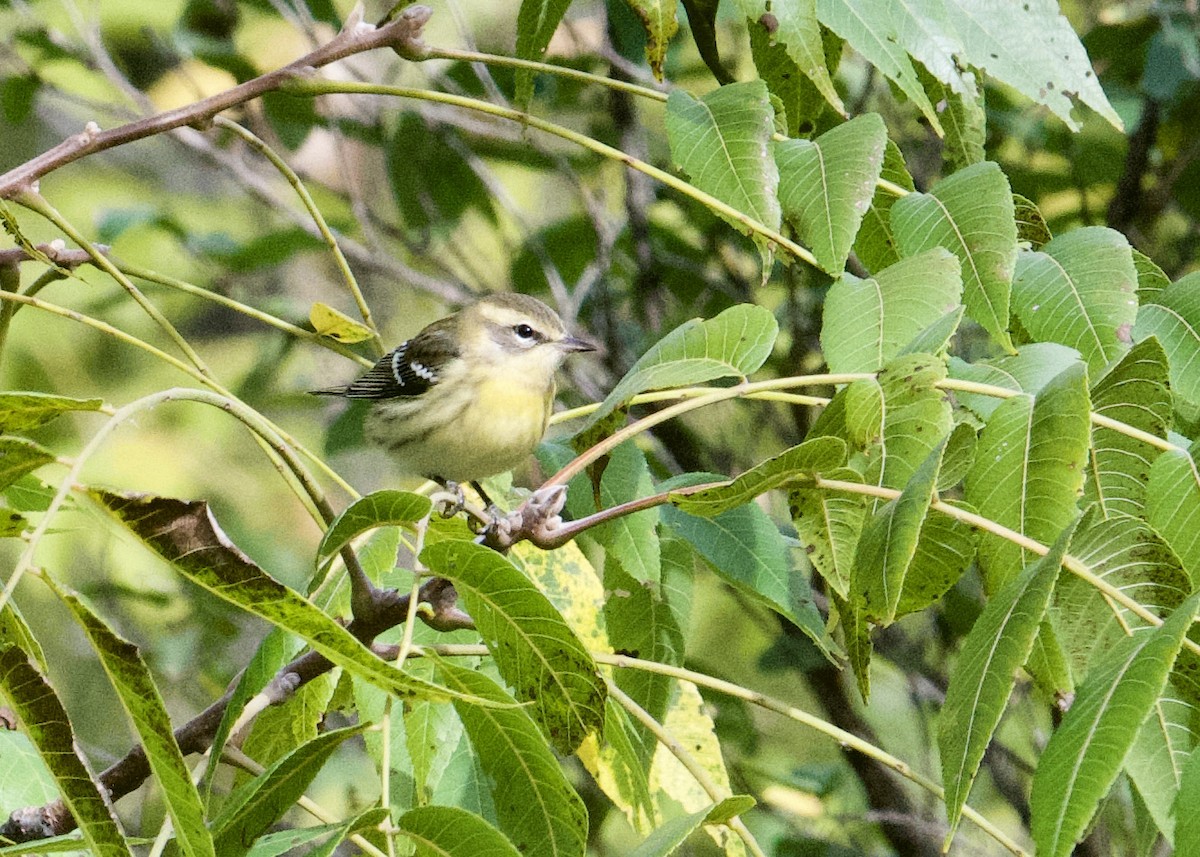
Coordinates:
<point>402,34</point>
<point>195,736</point>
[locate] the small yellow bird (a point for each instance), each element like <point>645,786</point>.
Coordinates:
<point>470,395</point>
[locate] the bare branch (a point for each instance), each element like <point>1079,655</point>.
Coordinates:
<point>403,35</point>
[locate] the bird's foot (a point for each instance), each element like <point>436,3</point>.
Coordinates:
<point>450,500</point>
<point>537,520</point>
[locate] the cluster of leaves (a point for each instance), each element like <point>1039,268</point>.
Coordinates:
<point>1010,407</point>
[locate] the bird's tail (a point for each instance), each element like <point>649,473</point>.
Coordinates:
<point>330,391</point>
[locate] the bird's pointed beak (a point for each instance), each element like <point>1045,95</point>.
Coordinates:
<point>571,344</point>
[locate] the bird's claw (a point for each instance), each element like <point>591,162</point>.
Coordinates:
<point>449,501</point>
<point>537,519</point>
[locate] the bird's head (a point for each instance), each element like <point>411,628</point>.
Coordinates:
<point>520,334</point>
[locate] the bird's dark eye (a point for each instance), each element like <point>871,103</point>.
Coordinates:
<point>523,331</point>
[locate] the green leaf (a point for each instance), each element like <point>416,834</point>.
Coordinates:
<point>1174,317</point>
<point>1187,822</point>
<point>639,622</point>
<point>335,324</point>
<point>367,820</point>
<point>970,214</point>
<point>1079,291</point>
<point>964,119</point>
<point>733,344</point>
<point>658,17</point>
<point>945,547</point>
<point>916,418</point>
<point>48,727</point>
<point>443,831</point>
<point>1028,470</point>
<point>186,535</point>
<point>144,704</point>
<point>634,538</point>
<point>24,411</point>
<point>14,629</point>
<point>1036,365</point>
<point>12,523</point>
<point>19,456</point>
<point>670,835</point>
<point>868,322</point>
<point>1031,225</point>
<point>1151,280</point>
<point>1084,755</point>
<point>826,184</point>
<point>258,804</point>
<point>1134,391</point>
<point>858,641</point>
<point>889,542</point>
<point>862,24</point>
<point>621,767</point>
<point>875,245</point>
<point>702,19</point>
<point>800,464</point>
<point>24,780</point>
<point>744,547</point>
<point>796,29</point>
<point>536,22</point>
<point>1173,506</point>
<point>864,412</point>
<point>535,805</point>
<point>379,509</point>
<point>829,525</point>
<point>1125,552</point>
<point>1156,761</point>
<point>1000,641</point>
<point>723,142</point>
<point>537,654</point>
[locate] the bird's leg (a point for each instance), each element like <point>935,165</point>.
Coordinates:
<point>487,501</point>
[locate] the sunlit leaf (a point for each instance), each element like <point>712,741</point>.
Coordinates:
<point>48,727</point>
<point>19,456</point>
<point>1134,392</point>
<point>1084,755</point>
<point>1029,469</point>
<point>536,653</point>
<point>335,324</point>
<point>875,245</point>
<point>379,509</point>
<point>1173,505</point>
<point>970,214</point>
<point>1036,365</point>
<point>1187,823</point>
<point>916,418</point>
<point>826,185</point>
<point>535,805</point>
<point>864,26</point>
<point>143,703</point>
<point>999,643</point>
<point>24,411</point>
<point>186,535</point>
<point>446,830</point>
<point>258,804</point>
<point>1174,317</point>
<point>1079,290</point>
<point>723,142</point>
<point>1128,554</point>
<point>731,345</point>
<point>799,464</point>
<point>868,322</point>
